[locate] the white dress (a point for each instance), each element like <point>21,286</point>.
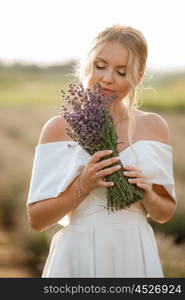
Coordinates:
<point>94,242</point>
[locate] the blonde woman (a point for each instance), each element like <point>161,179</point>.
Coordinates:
<point>67,184</point>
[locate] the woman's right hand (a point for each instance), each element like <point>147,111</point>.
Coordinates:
<point>93,173</point>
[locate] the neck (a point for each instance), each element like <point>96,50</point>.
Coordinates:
<point>119,112</point>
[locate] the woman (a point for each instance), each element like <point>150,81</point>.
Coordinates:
<point>68,187</point>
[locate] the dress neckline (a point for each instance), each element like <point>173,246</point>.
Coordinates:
<point>145,141</point>
<point>120,152</point>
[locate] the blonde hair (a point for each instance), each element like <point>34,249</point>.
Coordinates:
<point>134,41</point>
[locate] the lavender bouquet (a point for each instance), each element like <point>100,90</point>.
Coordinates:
<point>91,125</point>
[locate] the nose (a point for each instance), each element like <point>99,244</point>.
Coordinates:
<point>108,77</point>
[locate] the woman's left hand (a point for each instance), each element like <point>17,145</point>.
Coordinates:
<point>137,177</point>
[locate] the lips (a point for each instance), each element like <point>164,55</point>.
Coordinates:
<point>108,90</point>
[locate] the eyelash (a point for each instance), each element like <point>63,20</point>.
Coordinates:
<point>101,68</point>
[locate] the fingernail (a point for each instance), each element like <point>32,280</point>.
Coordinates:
<point>110,151</point>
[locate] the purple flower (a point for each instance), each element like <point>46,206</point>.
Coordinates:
<point>91,125</point>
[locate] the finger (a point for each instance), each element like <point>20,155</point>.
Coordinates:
<point>106,183</point>
<point>130,168</point>
<point>134,174</point>
<point>144,186</point>
<point>106,163</point>
<point>136,180</point>
<point>98,155</point>
<point>108,171</point>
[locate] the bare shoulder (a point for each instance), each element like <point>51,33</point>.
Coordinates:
<point>54,131</point>
<point>155,126</point>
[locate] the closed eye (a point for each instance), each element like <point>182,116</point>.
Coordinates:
<point>103,67</point>
<point>121,74</point>
<point>99,67</point>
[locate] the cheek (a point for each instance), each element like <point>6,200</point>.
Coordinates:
<point>124,88</point>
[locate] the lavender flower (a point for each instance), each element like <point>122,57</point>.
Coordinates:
<point>91,125</point>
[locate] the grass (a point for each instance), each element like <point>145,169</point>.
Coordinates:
<point>33,92</point>
<point>172,256</point>
<point>20,85</point>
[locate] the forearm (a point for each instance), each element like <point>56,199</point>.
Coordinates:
<point>160,208</point>
<point>48,212</point>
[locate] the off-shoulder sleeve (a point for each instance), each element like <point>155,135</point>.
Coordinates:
<point>55,166</point>
<point>158,166</point>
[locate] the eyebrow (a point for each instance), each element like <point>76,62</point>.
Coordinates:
<point>103,60</point>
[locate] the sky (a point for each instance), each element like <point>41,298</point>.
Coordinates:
<point>47,32</point>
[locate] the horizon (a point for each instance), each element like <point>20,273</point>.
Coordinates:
<point>28,64</point>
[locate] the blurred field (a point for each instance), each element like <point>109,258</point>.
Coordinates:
<point>30,85</point>
<point>28,98</point>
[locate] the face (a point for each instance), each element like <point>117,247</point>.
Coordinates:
<point>109,70</point>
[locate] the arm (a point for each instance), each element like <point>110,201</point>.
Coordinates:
<point>47,212</point>
<point>157,202</point>
<point>161,205</point>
